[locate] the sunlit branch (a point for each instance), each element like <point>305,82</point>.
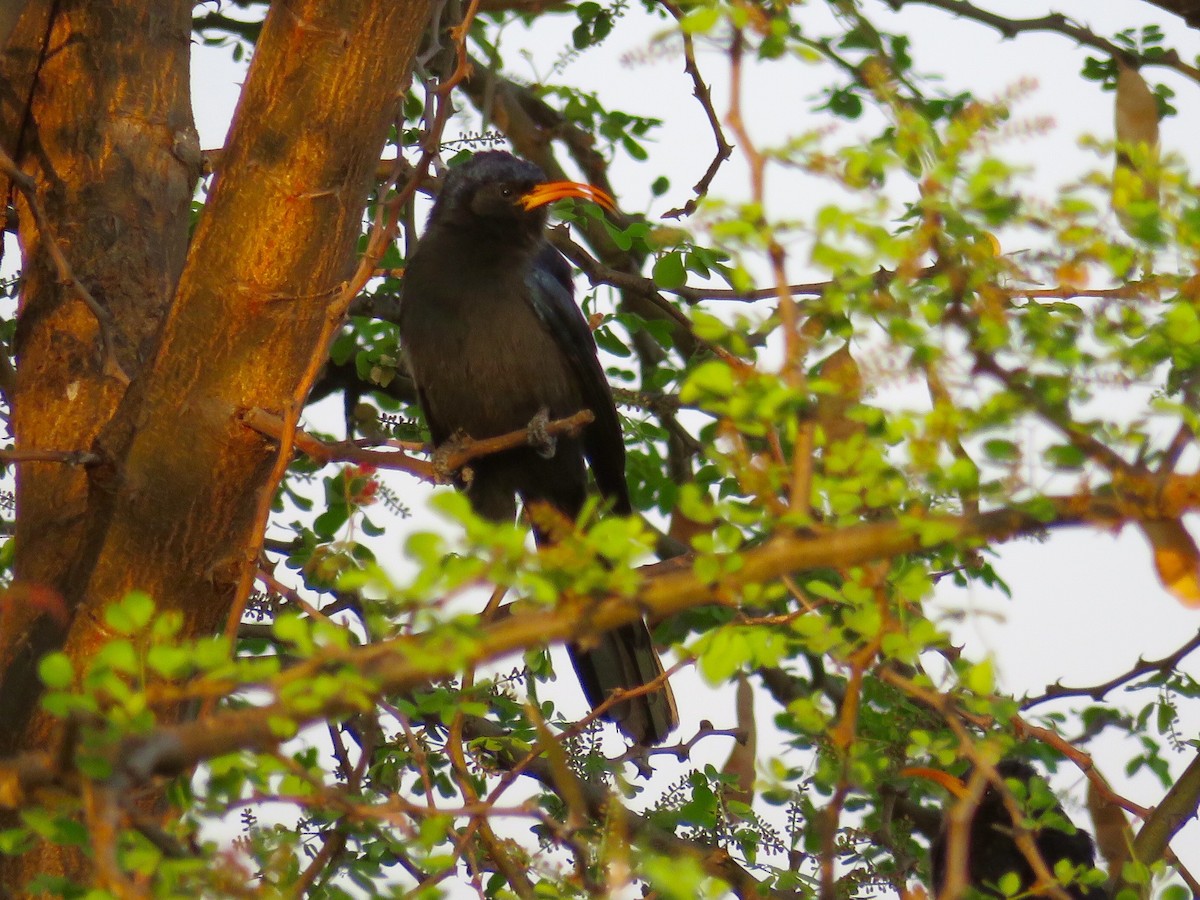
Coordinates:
<point>67,457</point>
<point>410,662</point>
<point>448,458</point>
<point>383,232</point>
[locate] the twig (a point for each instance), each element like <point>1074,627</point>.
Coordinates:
<point>458,451</point>
<point>1089,446</point>
<point>68,457</point>
<point>682,750</point>
<point>1081,760</point>
<point>272,426</point>
<point>714,860</point>
<point>462,64</point>
<point>1059,24</point>
<point>293,598</point>
<point>1099,691</point>
<point>617,696</point>
<point>702,93</point>
<point>448,459</point>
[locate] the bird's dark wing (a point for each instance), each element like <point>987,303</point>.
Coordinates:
<point>551,292</point>
<point>438,433</point>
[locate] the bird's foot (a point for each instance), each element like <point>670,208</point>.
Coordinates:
<point>443,454</point>
<point>540,438</point>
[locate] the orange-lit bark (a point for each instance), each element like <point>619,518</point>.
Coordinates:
<point>106,126</point>
<point>203,331</point>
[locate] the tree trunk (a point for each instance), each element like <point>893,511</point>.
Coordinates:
<point>109,112</point>
<point>171,509</point>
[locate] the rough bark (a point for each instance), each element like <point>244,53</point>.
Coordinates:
<point>174,513</point>
<point>172,509</point>
<point>102,137</point>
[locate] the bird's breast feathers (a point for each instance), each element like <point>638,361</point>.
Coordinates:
<point>487,368</point>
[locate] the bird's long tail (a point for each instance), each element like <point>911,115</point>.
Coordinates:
<point>621,659</point>
<point>625,659</point>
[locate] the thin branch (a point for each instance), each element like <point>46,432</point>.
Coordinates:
<point>1179,443</point>
<point>716,861</point>
<point>1089,446</point>
<point>332,844</point>
<point>702,93</point>
<point>270,425</point>
<point>67,457</point>
<point>1058,24</point>
<point>1100,691</point>
<point>448,458</point>
<point>516,878</point>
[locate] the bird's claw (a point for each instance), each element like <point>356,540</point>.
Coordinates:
<point>540,438</point>
<point>443,453</point>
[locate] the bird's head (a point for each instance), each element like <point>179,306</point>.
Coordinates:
<point>498,194</point>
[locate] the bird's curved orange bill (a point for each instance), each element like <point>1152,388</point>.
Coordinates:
<point>557,190</point>
<point>950,782</point>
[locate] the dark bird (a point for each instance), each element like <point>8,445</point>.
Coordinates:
<point>494,339</point>
<point>992,852</point>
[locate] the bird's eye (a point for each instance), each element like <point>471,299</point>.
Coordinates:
<point>506,192</point>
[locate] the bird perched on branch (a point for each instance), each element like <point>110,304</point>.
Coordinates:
<point>494,342</point>
<point>992,851</point>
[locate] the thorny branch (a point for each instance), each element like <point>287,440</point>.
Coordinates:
<point>1100,691</point>
<point>703,94</point>
<point>1058,24</point>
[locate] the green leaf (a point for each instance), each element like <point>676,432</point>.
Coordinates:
<point>1001,450</point>
<point>701,20</point>
<point>1065,456</point>
<point>56,671</point>
<point>713,377</point>
<point>131,614</point>
<point>669,272</point>
<point>980,678</point>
